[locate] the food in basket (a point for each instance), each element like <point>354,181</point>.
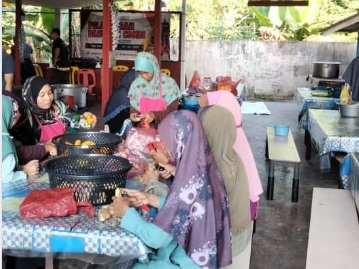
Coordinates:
<point>88,143</point>
<point>97,143</point>
<point>78,142</point>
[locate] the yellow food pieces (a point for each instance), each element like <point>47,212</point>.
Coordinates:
<point>88,143</point>
<point>77,142</point>
<point>88,118</point>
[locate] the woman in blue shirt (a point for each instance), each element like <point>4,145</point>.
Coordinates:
<point>10,170</point>
<point>192,227</point>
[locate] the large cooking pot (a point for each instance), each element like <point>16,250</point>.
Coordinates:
<point>77,90</point>
<point>326,69</point>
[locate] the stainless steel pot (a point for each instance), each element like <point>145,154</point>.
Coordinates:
<point>349,111</point>
<point>78,91</point>
<point>326,69</point>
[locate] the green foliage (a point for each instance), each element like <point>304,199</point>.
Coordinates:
<point>208,19</point>
<point>233,19</point>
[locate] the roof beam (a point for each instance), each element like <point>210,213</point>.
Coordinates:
<point>342,25</point>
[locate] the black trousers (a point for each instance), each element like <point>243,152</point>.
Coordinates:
<point>59,77</point>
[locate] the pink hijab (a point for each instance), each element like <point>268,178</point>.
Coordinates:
<point>241,146</point>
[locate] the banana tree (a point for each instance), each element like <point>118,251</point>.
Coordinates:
<point>37,24</point>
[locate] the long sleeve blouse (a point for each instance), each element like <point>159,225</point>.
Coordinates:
<point>8,170</point>
<point>168,255</point>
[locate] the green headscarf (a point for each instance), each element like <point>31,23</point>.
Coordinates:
<point>220,129</point>
<point>147,62</point>
<point>7,121</point>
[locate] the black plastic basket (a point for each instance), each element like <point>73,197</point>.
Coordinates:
<point>93,177</point>
<point>105,143</point>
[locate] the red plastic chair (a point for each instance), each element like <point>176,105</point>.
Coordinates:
<point>87,77</point>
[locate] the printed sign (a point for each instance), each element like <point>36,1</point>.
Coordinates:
<point>134,34</point>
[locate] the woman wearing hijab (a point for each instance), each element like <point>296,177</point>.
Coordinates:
<point>221,140</point>
<point>192,226</point>
<point>46,118</point>
<point>10,170</point>
<point>241,145</point>
<point>118,105</point>
<point>153,95</point>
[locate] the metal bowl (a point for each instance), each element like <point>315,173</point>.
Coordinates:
<point>349,111</point>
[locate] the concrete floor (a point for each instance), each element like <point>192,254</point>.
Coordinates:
<point>282,227</point>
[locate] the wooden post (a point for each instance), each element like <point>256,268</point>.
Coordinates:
<point>158,30</point>
<point>106,74</point>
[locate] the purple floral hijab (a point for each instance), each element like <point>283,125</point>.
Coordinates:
<point>196,211</point>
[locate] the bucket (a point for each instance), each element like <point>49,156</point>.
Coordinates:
<point>280,129</point>
<point>78,91</point>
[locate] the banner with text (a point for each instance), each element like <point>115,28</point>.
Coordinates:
<point>135,34</point>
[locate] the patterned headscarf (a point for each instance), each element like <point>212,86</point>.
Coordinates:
<point>30,92</point>
<point>147,62</point>
<point>196,211</point>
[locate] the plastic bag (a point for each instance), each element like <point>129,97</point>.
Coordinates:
<point>138,138</point>
<point>57,202</point>
<point>134,149</point>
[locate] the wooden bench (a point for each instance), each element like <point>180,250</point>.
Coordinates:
<point>281,151</point>
<point>333,241</point>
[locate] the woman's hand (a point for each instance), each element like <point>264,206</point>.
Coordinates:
<point>139,198</point>
<point>50,148</point>
<point>119,206</point>
<point>90,118</point>
<point>31,168</point>
<point>169,170</point>
<point>135,117</point>
<point>148,118</point>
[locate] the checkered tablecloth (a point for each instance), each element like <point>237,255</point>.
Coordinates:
<point>306,101</point>
<point>73,234</point>
<point>332,133</point>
